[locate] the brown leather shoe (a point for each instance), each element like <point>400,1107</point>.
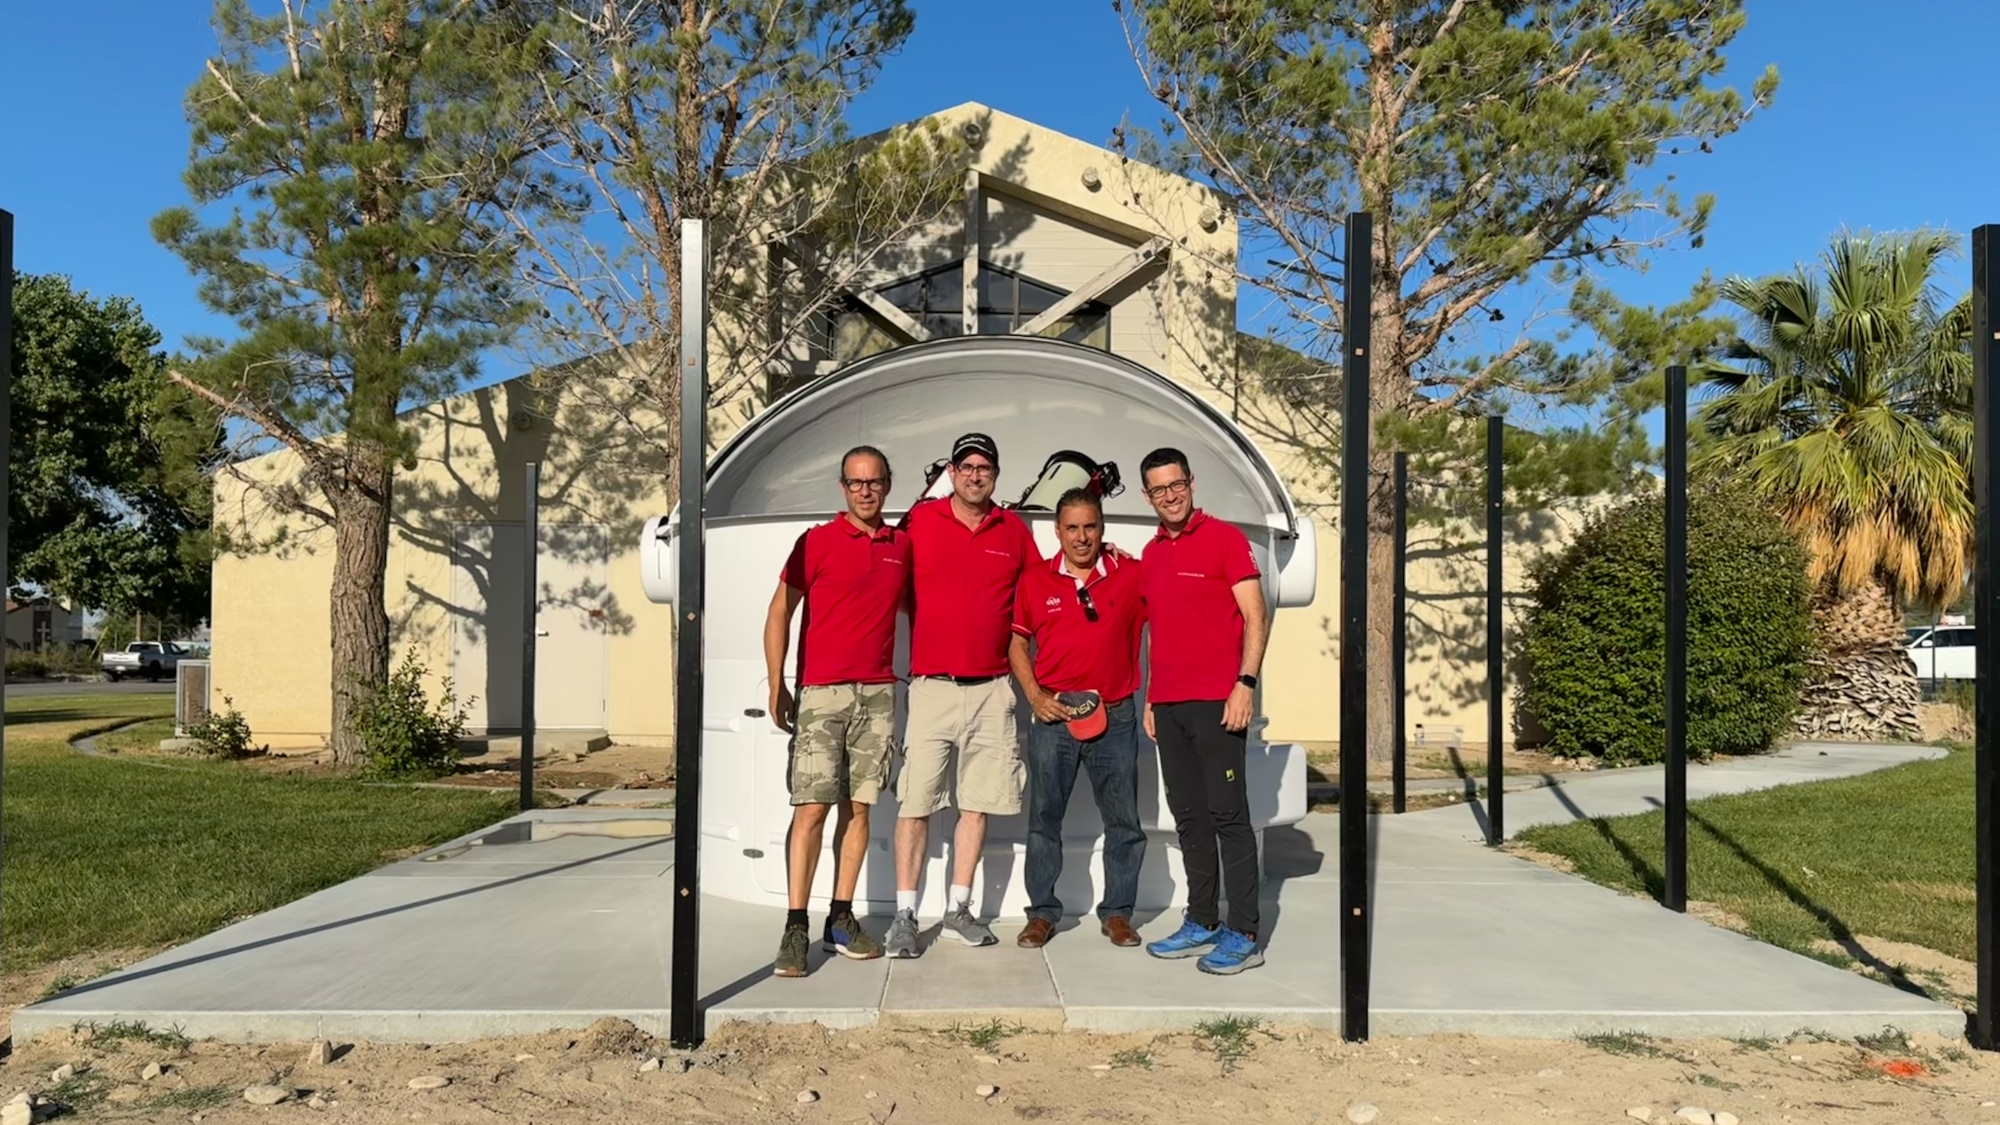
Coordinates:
<point>1119,929</point>
<point>1037,935</point>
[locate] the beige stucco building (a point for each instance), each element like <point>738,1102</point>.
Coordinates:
<point>1057,236</point>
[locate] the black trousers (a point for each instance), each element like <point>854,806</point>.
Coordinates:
<point>1201,762</point>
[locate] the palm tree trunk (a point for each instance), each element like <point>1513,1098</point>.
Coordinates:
<point>1863,686</point>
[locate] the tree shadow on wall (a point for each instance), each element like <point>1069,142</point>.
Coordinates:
<point>459,513</point>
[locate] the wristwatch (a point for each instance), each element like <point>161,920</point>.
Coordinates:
<point>1248,681</point>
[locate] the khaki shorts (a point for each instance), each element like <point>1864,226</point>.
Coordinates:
<point>973,723</point>
<point>842,745</point>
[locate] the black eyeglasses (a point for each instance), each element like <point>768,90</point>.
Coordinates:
<point>1089,607</point>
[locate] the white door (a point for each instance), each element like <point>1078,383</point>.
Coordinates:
<point>572,564</point>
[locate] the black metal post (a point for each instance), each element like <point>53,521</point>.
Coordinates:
<point>6,414</point>
<point>1675,896</point>
<point>1986,594</point>
<point>531,534</point>
<point>1496,766</point>
<point>686,1019</point>
<point>1356,428</point>
<point>1399,631</point>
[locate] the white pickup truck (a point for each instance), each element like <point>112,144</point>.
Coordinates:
<point>151,659</point>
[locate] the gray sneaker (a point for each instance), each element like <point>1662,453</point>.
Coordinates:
<point>960,924</point>
<point>902,938</point>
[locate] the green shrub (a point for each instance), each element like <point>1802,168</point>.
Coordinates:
<point>224,733</point>
<point>1596,636</point>
<point>404,735</point>
<point>53,660</point>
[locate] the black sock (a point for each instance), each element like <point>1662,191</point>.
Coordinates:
<point>840,908</point>
<point>796,918</point>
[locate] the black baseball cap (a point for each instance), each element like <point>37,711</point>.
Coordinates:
<point>974,443</point>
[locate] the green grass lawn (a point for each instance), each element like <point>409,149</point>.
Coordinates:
<point>1887,854</point>
<point>143,738</point>
<point>105,854</point>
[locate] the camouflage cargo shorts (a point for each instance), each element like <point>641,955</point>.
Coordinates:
<point>843,745</point>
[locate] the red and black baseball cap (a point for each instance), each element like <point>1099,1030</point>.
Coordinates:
<point>1086,714</point>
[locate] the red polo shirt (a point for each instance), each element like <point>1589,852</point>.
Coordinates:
<point>1072,652</point>
<point>965,579</point>
<point>1190,583</point>
<point>853,583</point>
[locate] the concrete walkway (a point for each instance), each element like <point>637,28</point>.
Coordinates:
<point>515,938</point>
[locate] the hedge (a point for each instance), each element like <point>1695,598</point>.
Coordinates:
<point>1595,637</point>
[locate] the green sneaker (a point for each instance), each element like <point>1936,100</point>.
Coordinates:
<point>845,936</point>
<point>791,960</point>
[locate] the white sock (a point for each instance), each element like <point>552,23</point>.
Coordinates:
<point>960,896</point>
<point>906,900</point>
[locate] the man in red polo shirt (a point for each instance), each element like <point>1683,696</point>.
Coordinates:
<point>1084,611</point>
<point>967,554</point>
<point>852,573</point>
<point>1205,607</point>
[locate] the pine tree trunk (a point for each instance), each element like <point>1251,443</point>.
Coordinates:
<point>1381,608</point>
<point>359,605</point>
<point>1862,686</point>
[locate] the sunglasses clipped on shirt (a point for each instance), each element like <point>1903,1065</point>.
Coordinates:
<point>1089,607</point>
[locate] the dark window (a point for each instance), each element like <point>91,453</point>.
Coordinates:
<point>1006,301</point>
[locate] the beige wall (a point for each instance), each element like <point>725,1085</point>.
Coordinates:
<point>1446,673</point>
<point>1040,218</point>
<point>270,613</point>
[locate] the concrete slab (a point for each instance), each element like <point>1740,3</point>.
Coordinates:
<point>953,983</point>
<point>1585,796</point>
<point>553,931</point>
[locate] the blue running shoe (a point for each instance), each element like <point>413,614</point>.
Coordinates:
<point>1191,940</point>
<point>1233,953</point>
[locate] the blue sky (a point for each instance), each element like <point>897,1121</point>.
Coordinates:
<point>1866,132</point>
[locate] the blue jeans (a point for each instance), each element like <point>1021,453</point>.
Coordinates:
<point>1112,761</point>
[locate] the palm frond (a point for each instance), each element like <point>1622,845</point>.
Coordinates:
<point>1846,400</point>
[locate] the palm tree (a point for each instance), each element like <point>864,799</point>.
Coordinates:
<point>1846,400</point>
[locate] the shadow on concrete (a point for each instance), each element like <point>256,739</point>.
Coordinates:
<point>1288,854</point>
<point>309,931</point>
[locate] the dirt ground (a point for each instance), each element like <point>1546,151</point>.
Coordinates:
<point>1237,1072</point>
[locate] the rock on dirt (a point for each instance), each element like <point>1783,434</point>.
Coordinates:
<point>649,1066</point>
<point>62,1074</point>
<point>266,1095</point>
<point>1361,1113</point>
<point>153,1070</point>
<point>1695,1115</point>
<point>321,1053</point>
<point>17,1113</point>
<point>807,1097</point>
<point>1721,1117</point>
<point>429,1082</point>
<point>987,1090</point>
<point>1640,1113</point>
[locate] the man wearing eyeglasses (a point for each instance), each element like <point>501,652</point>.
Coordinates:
<point>1205,607</point>
<point>852,575</point>
<point>967,555</point>
<point>1083,611</point>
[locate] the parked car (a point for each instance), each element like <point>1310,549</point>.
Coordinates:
<point>151,659</point>
<point>1945,652</point>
